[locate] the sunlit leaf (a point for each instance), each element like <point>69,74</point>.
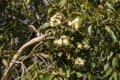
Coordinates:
<point>93,65</point>
<point>118,55</point>
<point>110,6</point>
<point>108,72</point>
<point>90,30</point>
<point>30,67</point>
<point>49,77</point>
<point>35,75</point>
<point>62,3</point>
<point>44,26</point>
<point>89,76</point>
<point>114,62</point>
<point>27,1</point>
<point>78,74</point>
<point>4,62</point>
<point>67,73</point>
<point>115,76</point>
<point>111,33</point>
<point>106,66</point>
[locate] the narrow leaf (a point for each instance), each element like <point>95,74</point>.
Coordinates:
<point>4,62</point>
<point>107,72</point>
<point>90,30</point>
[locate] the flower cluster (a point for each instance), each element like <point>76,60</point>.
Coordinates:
<point>57,19</point>
<point>64,40</point>
<point>74,24</point>
<point>79,62</point>
<point>83,45</point>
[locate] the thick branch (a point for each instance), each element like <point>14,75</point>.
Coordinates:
<point>25,46</point>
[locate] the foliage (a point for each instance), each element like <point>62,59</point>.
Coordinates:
<point>84,42</point>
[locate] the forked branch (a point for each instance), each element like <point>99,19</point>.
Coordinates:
<point>20,51</point>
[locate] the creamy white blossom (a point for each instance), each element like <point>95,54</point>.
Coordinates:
<point>58,41</point>
<point>79,61</point>
<point>64,40</point>
<point>79,45</point>
<point>85,45</point>
<point>56,20</point>
<point>74,24</point>
<point>63,36</point>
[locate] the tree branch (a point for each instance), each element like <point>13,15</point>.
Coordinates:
<point>17,55</point>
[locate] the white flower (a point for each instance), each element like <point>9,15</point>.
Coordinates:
<point>79,61</point>
<point>79,45</point>
<point>58,42</point>
<point>85,45</point>
<point>56,20</point>
<point>65,41</point>
<point>74,24</point>
<point>63,36</point>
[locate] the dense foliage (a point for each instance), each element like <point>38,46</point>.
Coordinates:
<point>84,43</point>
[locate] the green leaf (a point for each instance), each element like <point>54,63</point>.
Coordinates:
<point>63,3</point>
<point>90,30</point>
<point>2,28</point>
<point>118,55</point>
<point>93,65</point>
<point>30,67</point>
<point>4,62</point>
<point>107,72</point>
<point>49,77</point>
<point>115,75</point>
<point>67,74</point>
<point>114,62</point>
<point>27,1</point>
<point>44,26</point>
<point>78,74</point>
<point>111,33</point>
<point>1,47</point>
<point>106,66</point>
<point>89,76</point>
<point>35,75</point>
<point>110,6</point>
<point>113,36</point>
<point>118,27</point>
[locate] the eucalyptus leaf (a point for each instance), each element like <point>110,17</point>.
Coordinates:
<point>45,25</point>
<point>110,6</point>
<point>106,66</point>
<point>115,76</point>
<point>108,72</point>
<point>114,62</point>
<point>90,30</point>
<point>48,77</point>
<point>78,74</point>
<point>4,62</point>
<point>118,55</point>
<point>111,33</point>
<point>62,3</point>
<point>67,73</point>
